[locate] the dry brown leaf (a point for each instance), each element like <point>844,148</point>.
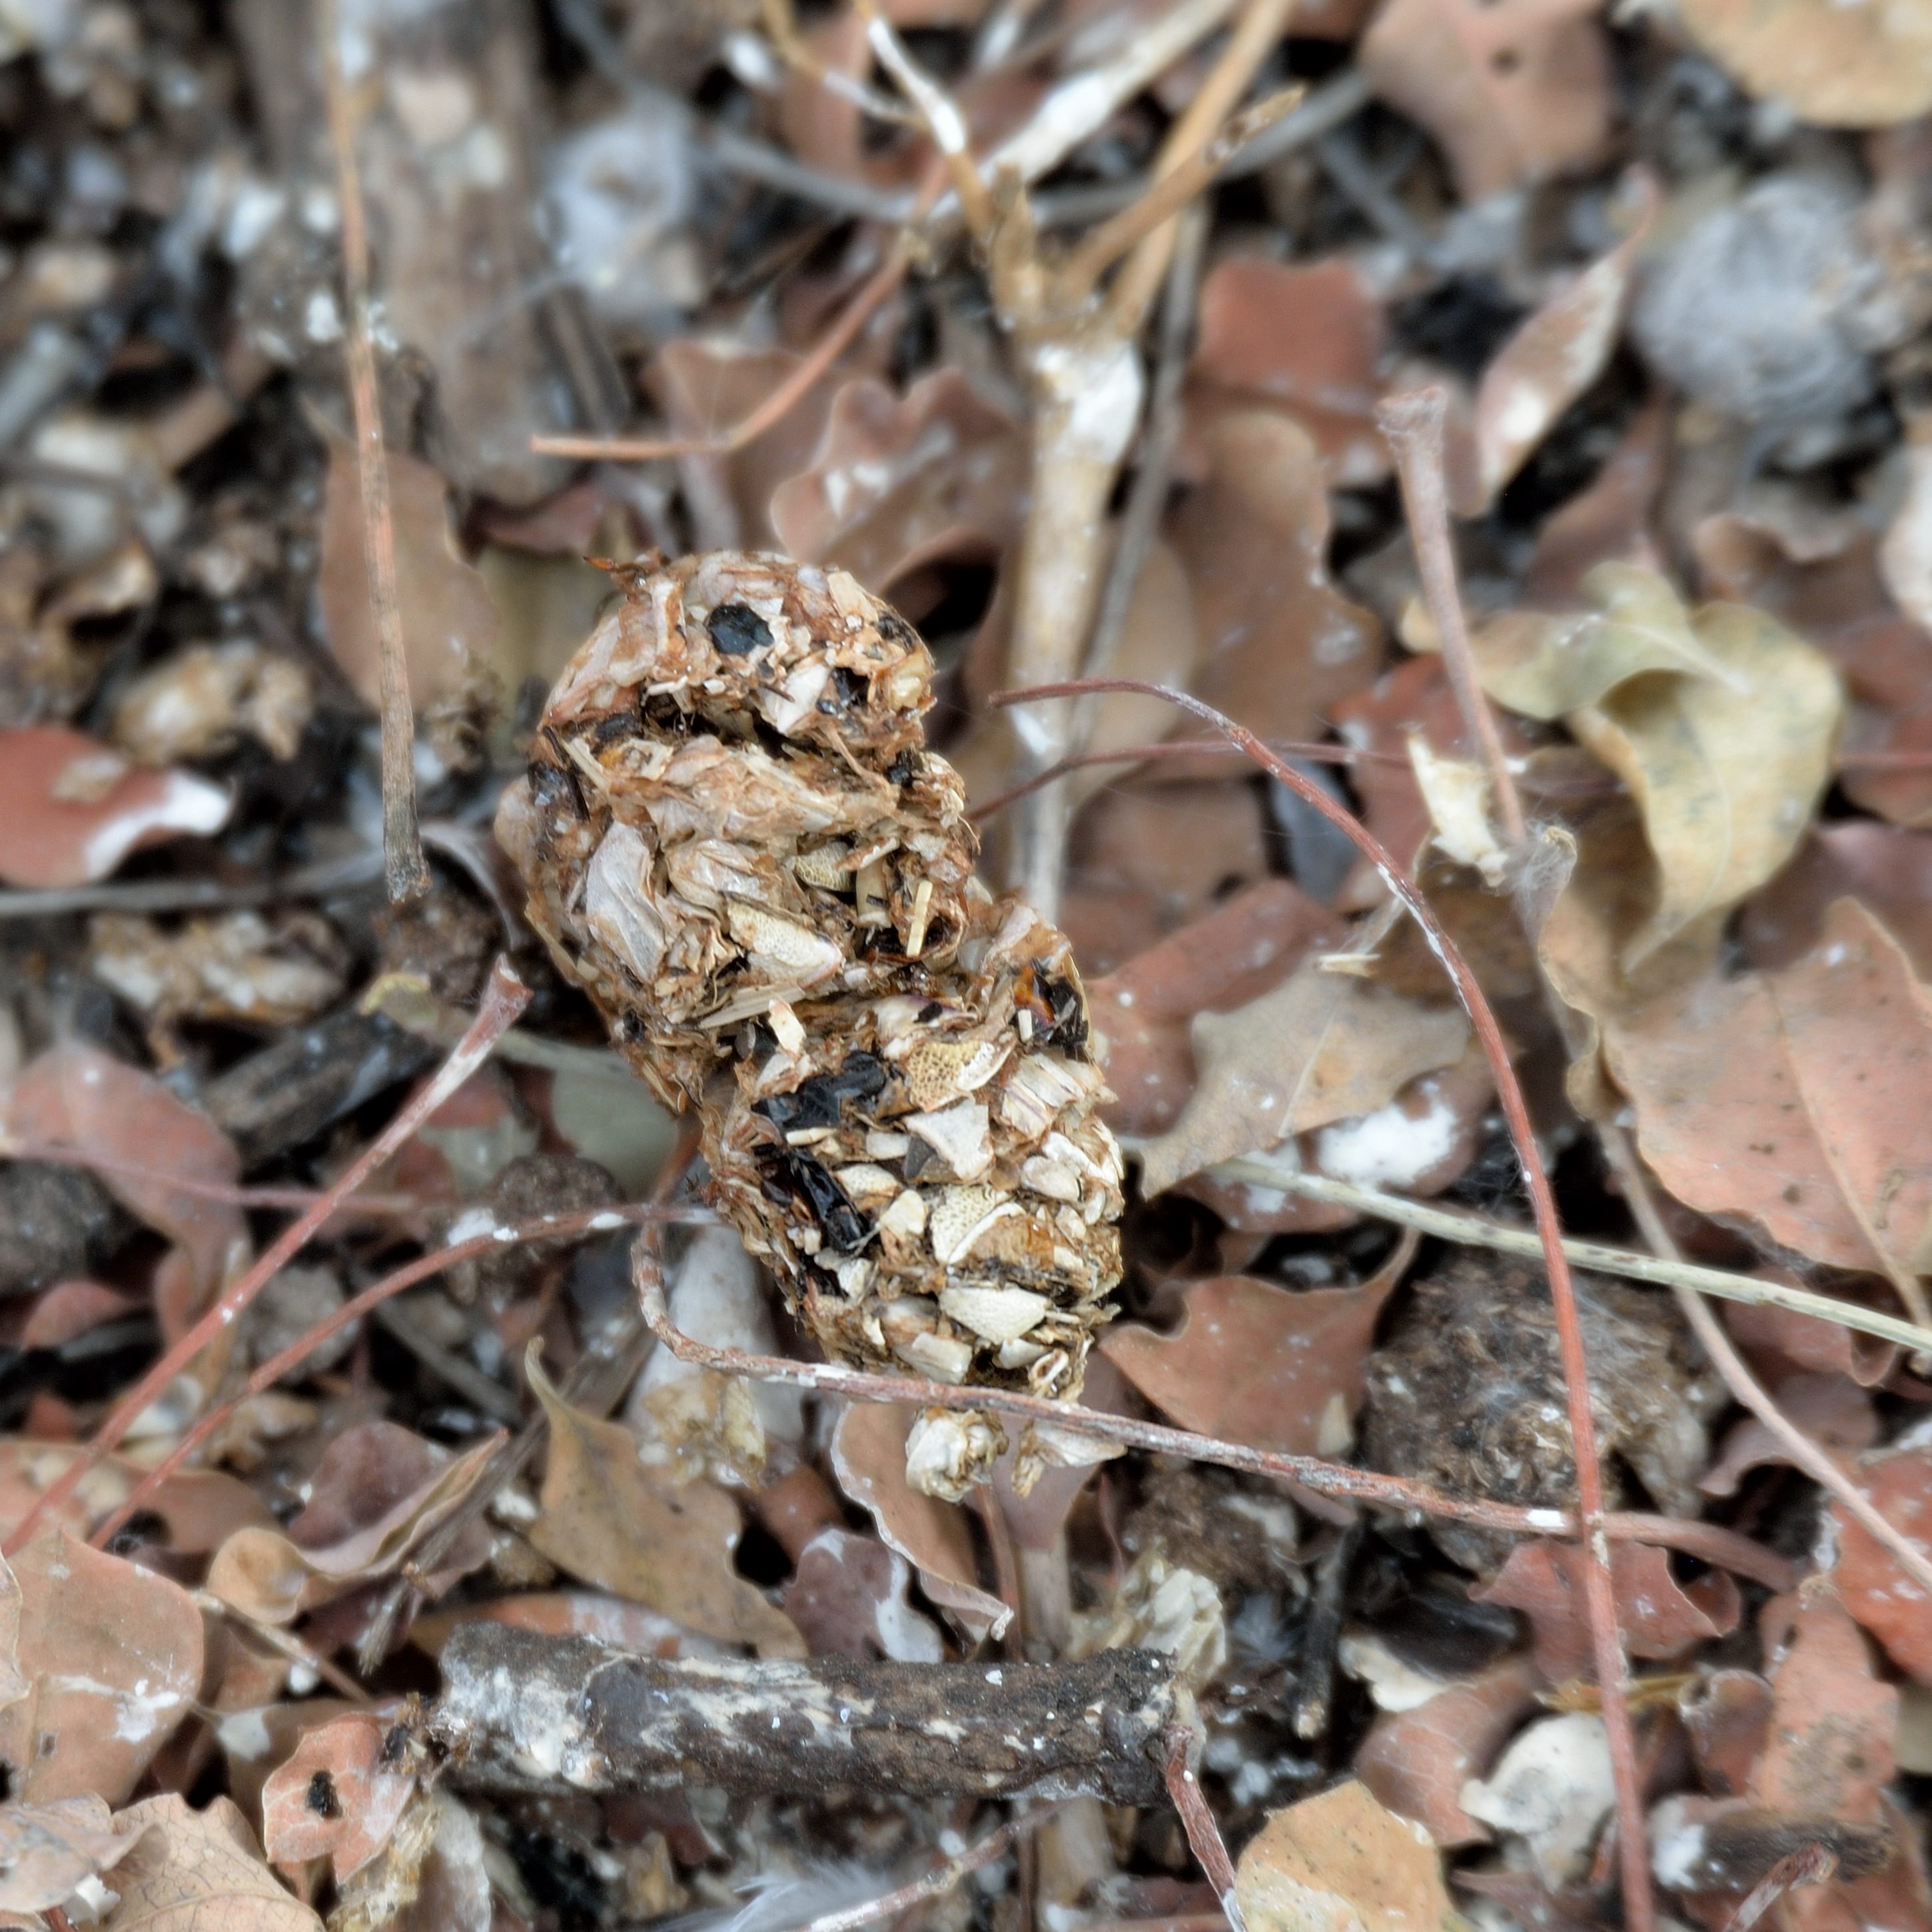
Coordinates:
<point>1514,94</point>
<point>1887,663</point>
<point>1726,1713</point>
<point>1231,956</point>
<point>199,1871</point>
<point>1781,1340</point>
<point>1320,1047</point>
<point>75,1096</point>
<point>1839,66</point>
<point>1416,1762</point>
<point>1304,338</point>
<point>1341,1863</point>
<point>611,1620</point>
<point>1553,358</point>
<point>47,1850</point>
<point>449,625</point>
<point>1275,1368</point>
<point>112,1655</point>
<point>380,1491</point>
<point>72,808</point>
<point>1280,644</point>
<point>898,484</point>
<point>1872,1582</point>
<point>606,1518</point>
<point>1832,1409</point>
<point>1794,1098</point>
<point>1658,1617</point>
<point>338,1796</point>
<point>869,1459</point>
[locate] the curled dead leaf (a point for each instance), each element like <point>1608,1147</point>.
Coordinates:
<point>1872,1584</point>
<point>868,1457</point>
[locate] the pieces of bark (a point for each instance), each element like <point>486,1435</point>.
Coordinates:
<point>524,1711</point>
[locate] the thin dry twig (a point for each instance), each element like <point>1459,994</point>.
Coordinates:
<point>1709,1542</point>
<point>407,870</point>
<point>505,996</point>
<point>1135,755</point>
<point>1412,424</point>
<point>1455,1224</point>
<point>1599,1594</point>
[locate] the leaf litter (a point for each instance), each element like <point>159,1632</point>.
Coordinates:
<point>735,273</point>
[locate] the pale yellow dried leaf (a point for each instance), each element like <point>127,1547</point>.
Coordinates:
<point>1545,666</point>
<point>606,1520</point>
<point>1320,1047</point>
<point>1727,771</point>
<point>1341,1862</point>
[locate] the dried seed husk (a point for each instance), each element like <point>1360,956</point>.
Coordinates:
<point>736,843</point>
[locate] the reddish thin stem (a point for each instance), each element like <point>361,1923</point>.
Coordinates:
<point>1600,1596</point>
<point>1168,747</point>
<point>543,1227</point>
<point>504,998</point>
<point>1709,1542</point>
<point>230,1193</point>
<point>1204,1835</point>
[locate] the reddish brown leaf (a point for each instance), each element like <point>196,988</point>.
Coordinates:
<point>1872,1583</point>
<point>1257,1364</point>
<point>338,1796</point>
<point>1305,338</point>
<point>71,809</point>
<point>1786,1340</point>
<point>76,1095</point>
<point>71,1308</point>
<point>1416,1761</point>
<point>1828,1751</point>
<point>1887,663</point>
<point>1726,1715</point>
<point>1887,869</point>
<point>847,1597</point>
<point>898,484</point>
<point>1608,522</point>
<point>111,1654</point>
<point>1545,1581</point>
<point>1832,1409</point>
<point>1280,644</point>
<point>1794,1098</point>
<point>1514,94</point>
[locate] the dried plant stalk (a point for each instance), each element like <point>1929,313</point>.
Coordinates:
<point>736,842</point>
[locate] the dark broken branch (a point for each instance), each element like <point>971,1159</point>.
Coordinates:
<point>524,1711</point>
